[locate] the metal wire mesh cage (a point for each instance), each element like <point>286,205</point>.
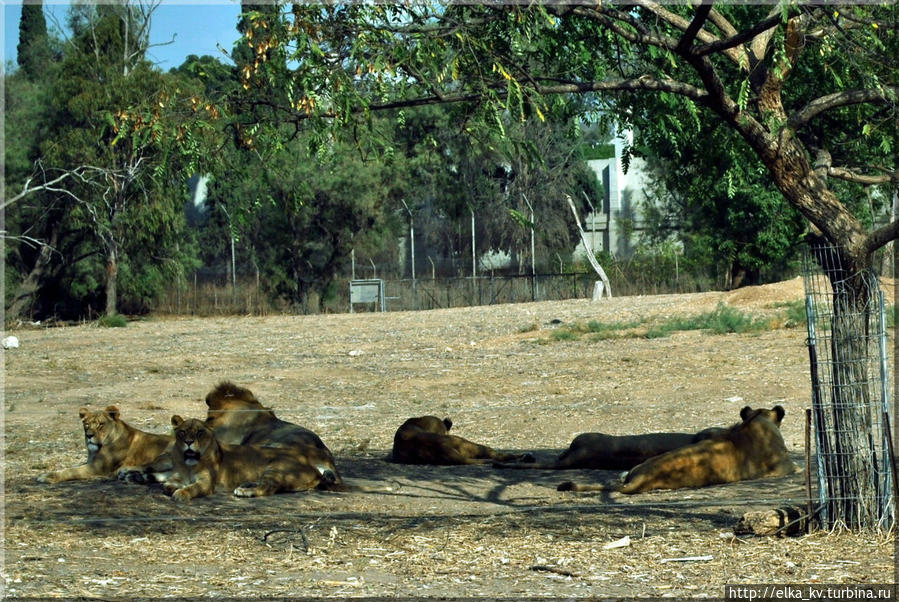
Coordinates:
<point>850,391</point>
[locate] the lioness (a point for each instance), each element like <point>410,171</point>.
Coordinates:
<point>112,444</point>
<point>425,440</point>
<point>601,451</point>
<point>238,418</point>
<point>202,463</point>
<point>751,449</point>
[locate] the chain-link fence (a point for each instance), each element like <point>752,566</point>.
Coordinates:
<point>850,392</point>
<point>217,296</point>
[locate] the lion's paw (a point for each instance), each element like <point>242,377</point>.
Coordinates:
<point>130,475</point>
<point>181,495</point>
<point>49,477</point>
<point>246,490</point>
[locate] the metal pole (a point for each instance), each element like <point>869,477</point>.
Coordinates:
<point>825,467</point>
<point>233,260</point>
<point>411,238</point>
<point>474,261</point>
<point>233,274</point>
<point>885,406</point>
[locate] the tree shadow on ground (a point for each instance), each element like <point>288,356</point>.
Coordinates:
<point>398,496</point>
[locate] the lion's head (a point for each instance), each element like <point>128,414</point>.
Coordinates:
<point>233,407</point>
<point>193,440</point>
<point>430,424</point>
<point>775,414</point>
<point>101,427</point>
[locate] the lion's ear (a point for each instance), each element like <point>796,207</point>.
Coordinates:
<point>447,423</point>
<point>745,412</point>
<point>177,421</point>
<point>780,412</point>
<point>83,412</point>
<point>113,412</point>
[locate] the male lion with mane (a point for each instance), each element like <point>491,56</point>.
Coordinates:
<point>751,449</point>
<point>202,463</point>
<point>112,444</point>
<point>238,418</point>
<point>425,440</point>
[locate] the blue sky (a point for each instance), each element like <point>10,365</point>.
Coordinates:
<point>197,26</point>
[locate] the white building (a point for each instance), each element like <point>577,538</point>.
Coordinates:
<point>616,222</point>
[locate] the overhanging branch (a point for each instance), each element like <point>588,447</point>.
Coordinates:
<point>644,82</point>
<point>851,175</point>
<point>840,99</point>
<point>882,236</point>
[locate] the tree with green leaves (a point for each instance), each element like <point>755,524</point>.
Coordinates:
<point>33,52</point>
<point>719,207</point>
<point>106,183</point>
<point>811,90</point>
<point>300,215</point>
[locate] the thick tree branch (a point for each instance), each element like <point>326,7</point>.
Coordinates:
<point>882,236</point>
<point>699,19</point>
<point>612,20</point>
<point>722,23</point>
<point>839,99</point>
<point>644,82</point>
<point>740,38</point>
<point>735,54</point>
<point>851,175</point>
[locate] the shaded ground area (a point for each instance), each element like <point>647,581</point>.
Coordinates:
<point>413,530</point>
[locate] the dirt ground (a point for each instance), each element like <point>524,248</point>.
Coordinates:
<point>420,531</point>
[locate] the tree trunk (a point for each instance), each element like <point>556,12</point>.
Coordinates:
<point>112,274</point>
<point>850,422</point>
<point>24,296</point>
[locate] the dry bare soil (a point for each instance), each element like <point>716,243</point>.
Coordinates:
<point>423,531</point>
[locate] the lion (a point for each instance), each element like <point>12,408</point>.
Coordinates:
<point>425,440</point>
<point>113,444</point>
<point>751,449</point>
<point>616,452</point>
<point>203,463</point>
<point>238,418</point>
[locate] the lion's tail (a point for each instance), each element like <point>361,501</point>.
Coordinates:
<point>331,482</point>
<point>572,486</point>
<point>534,465</point>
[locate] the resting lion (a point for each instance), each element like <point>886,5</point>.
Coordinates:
<point>425,440</point>
<point>751,449</point>
<point>202,463</point>
<point>616,452</point>
<point>112,444</point>
<point>238,418</point>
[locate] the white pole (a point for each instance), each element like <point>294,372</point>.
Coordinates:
<point>533,248</point>
<point>592,258</point>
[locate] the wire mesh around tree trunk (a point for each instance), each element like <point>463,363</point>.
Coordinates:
<point>850,391</point>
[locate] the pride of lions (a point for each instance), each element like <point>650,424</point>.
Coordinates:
<point>243,447</point>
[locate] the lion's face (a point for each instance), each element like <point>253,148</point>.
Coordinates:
<point>232,408</point>
<point>100,428</point>
<point>192,439</point>
<point>231,412</point>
